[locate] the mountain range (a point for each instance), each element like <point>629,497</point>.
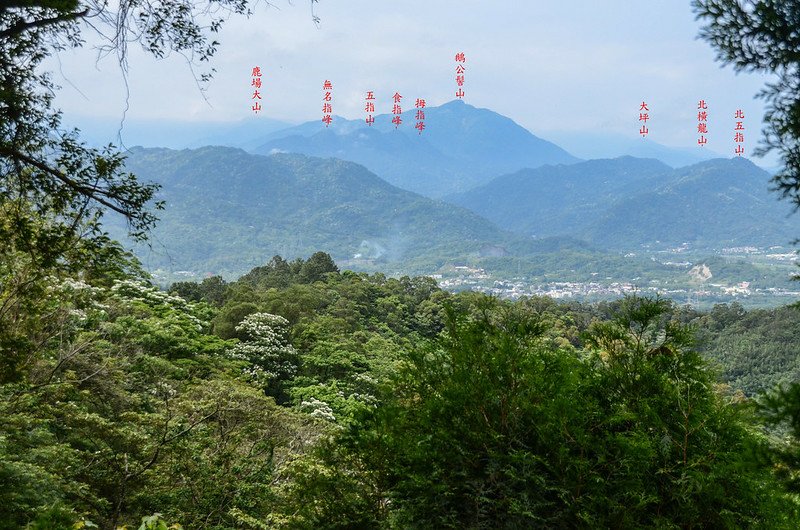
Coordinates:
<point>626,202</point>
<point>461,147</point>
<point>228,210</point>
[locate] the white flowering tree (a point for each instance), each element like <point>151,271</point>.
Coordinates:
<point>159,323</point>
<point>272,358</point>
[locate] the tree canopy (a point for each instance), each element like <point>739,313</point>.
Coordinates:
<point>762,36</point>
<point>46,169</point>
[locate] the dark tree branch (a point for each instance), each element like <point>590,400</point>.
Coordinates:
<point>22,26</point>
<point>95,193</point>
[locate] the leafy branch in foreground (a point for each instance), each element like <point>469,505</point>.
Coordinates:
<point>761,36</point>
<point>49,168</point>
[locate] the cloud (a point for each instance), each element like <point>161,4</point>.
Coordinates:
<point>549,66</point>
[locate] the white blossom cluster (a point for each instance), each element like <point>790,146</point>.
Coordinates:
<point>267,349</point>
<point>73,288</point>
<point>136,291</point>
<point>318,409</point>
<point>81,298</point>
<point>366,378</point>
<point>258,375</point>
<point>140,291</point>
<point>72,285</point>
<point>163,390</point>
<point>265,326</point>
<point>78,314</point>
<point>367,399</point>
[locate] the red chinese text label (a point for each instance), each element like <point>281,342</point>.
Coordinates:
<point>420,106</point>
<point>397,110</point>
<point>644,117</point>
<point>702,122</point>
<point>327,105</point>
<point>461,59</point>
<point>738,130</point>
<point>255,82</point>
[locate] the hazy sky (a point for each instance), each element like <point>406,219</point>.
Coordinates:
<point>570,65</point>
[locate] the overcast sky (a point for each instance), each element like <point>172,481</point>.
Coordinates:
<point>570,65</point>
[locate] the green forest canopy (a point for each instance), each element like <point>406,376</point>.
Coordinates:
<point>301,396</point>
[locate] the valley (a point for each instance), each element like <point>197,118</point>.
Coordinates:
<point>545,224</point>
<point>751,277</point>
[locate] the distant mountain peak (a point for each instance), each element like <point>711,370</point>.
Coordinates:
<point>455,103</point>
<point>461,146</point>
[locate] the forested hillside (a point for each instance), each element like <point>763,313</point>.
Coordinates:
<point>302,396</point>
<point>228,211</point>
<point>626,202</point>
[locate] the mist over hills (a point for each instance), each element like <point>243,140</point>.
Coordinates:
<point>173,134</point>
<point>591,145</point>
<point>628,202</point>
<point>462,146</point>
<point>229,210</point>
